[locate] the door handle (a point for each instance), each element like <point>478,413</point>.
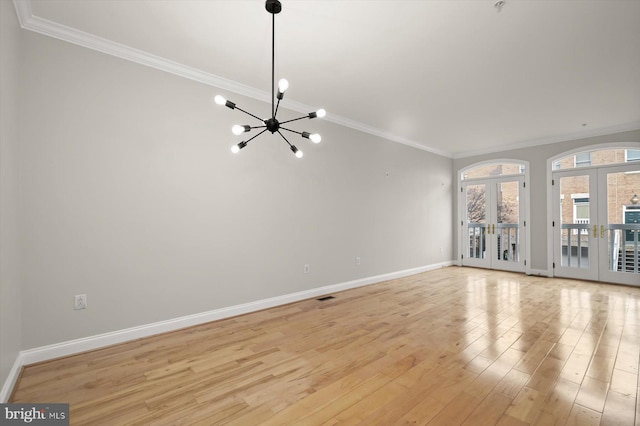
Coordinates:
<point>601,231</point>
<point>494,228</point>
<point>595,231</point>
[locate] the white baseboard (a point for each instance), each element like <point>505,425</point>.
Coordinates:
<point>538,272</point>
<point>14,373</point>
<point>70,347</point>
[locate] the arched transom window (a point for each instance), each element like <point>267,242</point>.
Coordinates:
<point>599,157</point>
<point>493,170</point>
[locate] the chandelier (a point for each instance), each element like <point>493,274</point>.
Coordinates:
<point>272,124</point>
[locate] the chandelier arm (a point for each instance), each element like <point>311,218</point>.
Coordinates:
<point>248,113</point>
<point>277,106</point>
<point>292,131</point>
<point>285,139</point>
<point>295,119</point>
<point>249,140</point>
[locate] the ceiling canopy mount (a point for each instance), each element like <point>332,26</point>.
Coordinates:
<point>273,6</point>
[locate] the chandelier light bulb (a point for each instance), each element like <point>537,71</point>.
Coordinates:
<point>283,85</point>
<point>236,148</point>
<point>220,100</point>
<point>314,137</point>
<point>296,151</point>
<point>319,113</point>
<point>238,129</point>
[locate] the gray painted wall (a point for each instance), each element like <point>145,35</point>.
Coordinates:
<point>538,186</point>
<point>131,195</point>
<point>10,304</point>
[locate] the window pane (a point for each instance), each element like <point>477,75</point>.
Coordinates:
<point>623,222</point>
<point>597,158</point>
<point>489,170</point>
<point>583,159</point>
<point>582,211</point>
<point>574,236</point>
<point>633,155</point>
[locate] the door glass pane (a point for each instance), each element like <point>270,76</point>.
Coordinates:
<point>476,196</point>
<point>508,210</point>
<point>574,221</point>
<point>623,217</point>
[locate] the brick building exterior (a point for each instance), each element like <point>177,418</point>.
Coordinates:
<point>621,187</point>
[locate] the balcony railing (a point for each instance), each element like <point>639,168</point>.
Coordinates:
<point>476,240</point>
<point>575,244</point>
<point>623,246</point>
<point>508,242</point>
<point>508,248</point>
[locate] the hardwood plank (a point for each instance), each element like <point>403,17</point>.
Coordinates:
<point>512,383</point>
<point>619,409</point>
<point>624,382</point>
<point>593,393</point>
<point>558,404</point>
<point>457,411</point>
<point>545,376</point>
<point>582,416</point>
<point>420,414</point>
<point>526,405</point>
<point>489,411</point>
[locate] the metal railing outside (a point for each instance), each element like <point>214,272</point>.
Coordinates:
<point>508,237</point>
<point>508,242</point>
<point>476,240</point>
<point>578,233</point>
<point>623,247</point>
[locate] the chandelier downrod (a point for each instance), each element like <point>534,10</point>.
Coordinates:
<point>273,62</point>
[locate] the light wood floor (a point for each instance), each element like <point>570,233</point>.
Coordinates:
<point>448,347</point>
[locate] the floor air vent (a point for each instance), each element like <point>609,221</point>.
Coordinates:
<point>325,298</point>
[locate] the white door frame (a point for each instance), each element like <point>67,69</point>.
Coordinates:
<point>590,273</point>
<point>603,214</point>
<point>524,202</point>
<point>550,212</point>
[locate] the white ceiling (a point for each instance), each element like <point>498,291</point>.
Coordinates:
<point>454,77</point>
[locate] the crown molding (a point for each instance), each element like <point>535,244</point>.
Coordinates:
<point>343,121</point>
<point>29,21</point>
<point>23,10</point>
<point>553,139</point>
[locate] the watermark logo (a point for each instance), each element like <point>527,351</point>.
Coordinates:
<point>34,414</point>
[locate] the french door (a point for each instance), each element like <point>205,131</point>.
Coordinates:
<point>493,223</point>
<point>596,224</point>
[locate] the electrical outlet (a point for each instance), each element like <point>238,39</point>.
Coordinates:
<point>357,261</point>
<point>306,268</point>
<point>80,302</point>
